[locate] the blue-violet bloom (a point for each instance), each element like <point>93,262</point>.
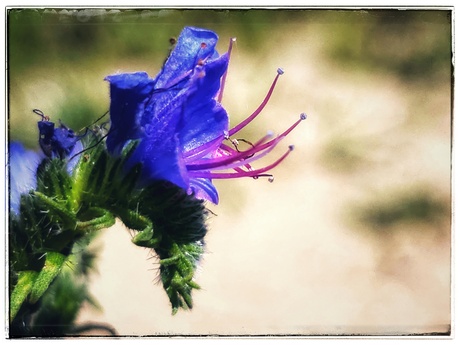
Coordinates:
<point>60,142</point>
<point>55,141</point>
<point>180,123</point>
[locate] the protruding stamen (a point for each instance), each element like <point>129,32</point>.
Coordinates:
<point>256,172</point>
<point>224,77</point>
<point>289,130</point>
<point>203,150</point>
<point>267,136</point>
<point>282,135</point>
<point>234,160</point>
<point>259,109</point>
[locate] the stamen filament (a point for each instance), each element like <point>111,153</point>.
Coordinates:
<point>274,141</point>
<point>244,123</point>
<point>303,116</point>
<point>237,156</point>
<point>227,150</point>
<point>202,150</point>
<point>257,172</point>
<point>233,162</point>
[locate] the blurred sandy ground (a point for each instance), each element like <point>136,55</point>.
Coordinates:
<point>307,254</point>
<point>353,237</point>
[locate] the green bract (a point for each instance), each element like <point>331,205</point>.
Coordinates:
<point>66,208</point>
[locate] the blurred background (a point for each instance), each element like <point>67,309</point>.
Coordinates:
<point>353,236</point>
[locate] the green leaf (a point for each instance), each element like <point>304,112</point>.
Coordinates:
<point>22,289</point>
<point>52,267</point>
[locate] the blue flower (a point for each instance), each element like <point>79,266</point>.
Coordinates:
<point>179,120</point>
<point>55,142</point>
<point>60,142</point>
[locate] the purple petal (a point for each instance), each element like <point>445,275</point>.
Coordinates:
<point>193,44</point>
<point>204,189</point>
<point>64,140</point>
<point>204,119</point>
<point>202,126</point>
<point>128,95</point>
<point>46,132</point>
<point>207,81</point>
<point>161,160</point>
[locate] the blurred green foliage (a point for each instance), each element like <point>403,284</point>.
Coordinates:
<point>407,43</point>
<point>44,37</point>
<point>419,205</point>
<point>344,154</point>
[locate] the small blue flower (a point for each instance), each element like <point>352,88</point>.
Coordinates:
<point>179,121</point>
<point>60,142</point>
<point>55,142</point>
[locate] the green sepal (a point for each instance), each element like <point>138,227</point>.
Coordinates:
<point>177,268</point>
<point>53,265</point>
<point>53,179</point>
<point>57,208</point>
<point>21,290</point>
<point>98,218</point>
<point>83,175</point>
<point>135,221</point>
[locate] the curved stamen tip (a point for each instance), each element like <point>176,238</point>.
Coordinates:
<point>233,39</point>
<point>280,71</point>
<point>291,147</point>
<point>303,116</point>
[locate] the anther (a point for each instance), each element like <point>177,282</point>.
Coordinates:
<point>291,147</point>
<point>303,116</point>
<point>230,46</point>
<point>243,124</point>
<point>224,77</point>
<point>203,45</point>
